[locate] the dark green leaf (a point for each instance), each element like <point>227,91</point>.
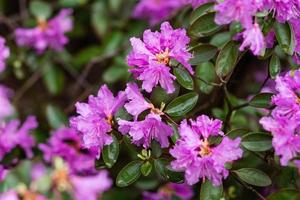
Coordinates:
<point>237,133</point>
<point>205,71</point>
<point>110,153</point>
<point>274,66</point>
<point>53,78</point>
<point>203,53</point>
<point>220,39</point>
<point>40,9</point>
<point>182,105</point>
<point>129,174</point>
<point>56,118</point>
<point>261,100</point>
<point>204,26</point>
<point>159,165</point>
<point>200,11</point>
<point>254,177</point>
<point>285,37</point>
<point>285,194</point>
<point>156,149</point>
<point>174,177</point>
<point>210,192</point>
<point>184,78</point>
<point>257,141</point>
<point>115,73</point>
<point>99,18</point>
<point>146,168</point>
<point>160,95</point>
<point>227,59</point>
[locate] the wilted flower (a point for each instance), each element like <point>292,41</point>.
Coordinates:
<point>156,10</point>
<point>254,38</point>
<point>48,34</point>
<point>11,136</point>
<point>4,53</point>
<point>6,108</point>
<point>66,143</point>
<point>198,158</point>
<point>169,190</point>
<point>96,118</point>
<point>151,57</point>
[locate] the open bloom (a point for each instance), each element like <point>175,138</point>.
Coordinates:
<point>96,118</point>
<point>151,128</point>
<point>151,57</point>
<point>20,195</point>
<point>254,38</point>
<point>167,191</point>
<point>197,157</point>
<point>4,53</point>
<point>48,34</point>
<point>12,136</point>
<point>284,122</point>
<point>156,10</point>
<point>6,108</point>
<point>284,9</point>
<point>67,144</point>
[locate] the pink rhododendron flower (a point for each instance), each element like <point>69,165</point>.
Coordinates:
<point>67,144</point>
<point>11,136</point>
<point>4,53</point>
<point>151,128</point>
<point>151,57</point>
<point>156,10</point>
<point>253,37</point>
<point>48,34</point>
<point>6,108</point>
<point>167,191</point>
<point>197,157</point>
<point>284,9</point>
<point>96,117</point>
<point>14,195</point>
<point>3,173</point>
<point>196,3</point>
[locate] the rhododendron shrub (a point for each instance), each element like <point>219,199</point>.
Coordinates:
<point>150,99</point>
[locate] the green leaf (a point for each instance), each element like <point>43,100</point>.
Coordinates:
<point>41,10</point>
<point>285,37</point>
<point>146,168</point>
<point>129,174</point>
<point>115,73</point>
<point>53,78</point>
<point>239,132</point>
<point>156,149</point>
<point>174,177</point>
<point>261,100</point>
<point>159,165</point>
<point>71,3</point>
<point>204,26</point>
<point>205,71</point>
<point>210,192</point>
<point>257,141</point>
<point>203,53</point>
<point>200,11</point>
<point>110,153</point>
<point>220,39</point>
<point>254,177</point>
<point>160,95</point>
<point>285,194</point>
<point>99,18</point>
<point>182,105</point>
<point>56,118</point>
<point>184,78</point>
<point>227,59</point>
<point>274,66</point>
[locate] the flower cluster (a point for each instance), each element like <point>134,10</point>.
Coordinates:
<point>198,158</point>
<point>284,120</point>
<point>4,53</point>
<point>151,57</point>
<point>6,108</point>
<point>144,131</point>
<point>95,119</point>
<point>67,144</point>
<point>170,190</point>
<point>47,34</point>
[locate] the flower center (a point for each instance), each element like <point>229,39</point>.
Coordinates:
<point>205,149</point>
<point>109,120</point>
<point>61,179</point>
<point>163,57</point>
<point>156,110</point>
<point>166,190</point>
<point>42,24</point>
<point>28,195</point>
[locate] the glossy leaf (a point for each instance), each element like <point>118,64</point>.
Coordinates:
<point>274,66</point>
<point>184,78</point>
<point>156,149</point>
<point>285,194</point>
<point>129,174</point>
<point>262,100</point>
<point>200,11</point>
<point>182,105</point>
<point>205,71</point>
<point>56,118</point>
<point>204,26</point>
<point>210,192</point>
<point>159,95</point>
<point>227,59</point>
<point>203,53</point>
<point>257,141</point>
<point>285,37</point>
<point>254,177</point>
<point>220,39</point>
<point>40,9</point>
<point>110,153</point>
<point>146,168</point>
